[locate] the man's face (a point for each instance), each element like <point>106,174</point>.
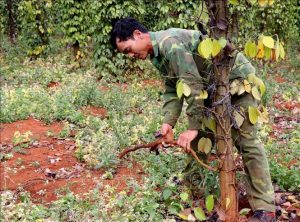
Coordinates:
<point>134,47</point>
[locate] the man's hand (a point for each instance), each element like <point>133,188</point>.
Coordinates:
<point>167,133</point>
<point>166,129</point>
<point>186,138</point>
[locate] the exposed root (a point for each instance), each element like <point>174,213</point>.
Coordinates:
<point>162,143</point>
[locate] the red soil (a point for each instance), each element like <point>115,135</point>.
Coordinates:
<point>37,128</point>
<point>52,157</point>
<point>152,82</point>
<point>95,111</point>
<point>53,84</point>
<point>280,79</point>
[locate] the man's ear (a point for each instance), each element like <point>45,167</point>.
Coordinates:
<point>137,34</point>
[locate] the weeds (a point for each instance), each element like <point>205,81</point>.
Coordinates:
<point>133,116</point>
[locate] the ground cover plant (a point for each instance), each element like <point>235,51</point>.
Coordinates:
<point>65,118</point>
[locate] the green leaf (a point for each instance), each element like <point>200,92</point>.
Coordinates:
<point>281,51</point>
<point>253,114</point>
<point>252,50</point>
<point>222,42</point>
<point>184,196</point>
<point>186,90</point>
<point>261,85</point>
<point>277,50</point>
<point>268,41</point>
<point>233,2</point>
<point>268,52</point>
<point>251,77</point>
<point>244,211</point>
<point>166,194</point>
<point>247,46</point>
<point>199,213</point>
<point>255,93</point>
<point>210,124</point>
<point>179,89</point>
<point>204,145</point>
<point>252,2</point>
<point>173,210</point>
<point>209,203</point>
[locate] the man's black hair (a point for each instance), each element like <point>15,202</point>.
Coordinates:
<point>123,30</point>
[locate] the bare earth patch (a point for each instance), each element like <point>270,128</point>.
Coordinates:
<point>95,111</point>
<point>49,166</point>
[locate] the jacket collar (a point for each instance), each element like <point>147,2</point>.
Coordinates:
<point>154,44</point>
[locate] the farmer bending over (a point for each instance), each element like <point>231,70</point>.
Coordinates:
<point>174,53</point>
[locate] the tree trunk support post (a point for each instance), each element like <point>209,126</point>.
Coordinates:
<point>217,10</point>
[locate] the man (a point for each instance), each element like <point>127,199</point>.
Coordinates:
<point>174,53</point>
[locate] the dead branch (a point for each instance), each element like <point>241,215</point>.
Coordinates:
<point>161,143</point>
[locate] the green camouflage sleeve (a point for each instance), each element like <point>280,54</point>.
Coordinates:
<point>172,106</point>
<point>242,67</point>
<point>182,66</point>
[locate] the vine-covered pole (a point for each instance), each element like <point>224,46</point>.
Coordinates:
<point>217,10</point>
<point>12,27</point>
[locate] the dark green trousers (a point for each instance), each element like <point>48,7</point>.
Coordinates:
<point>258,183</point>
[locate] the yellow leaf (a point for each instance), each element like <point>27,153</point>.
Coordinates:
<point>186,90</point>
<point>179,89</point>
<point>183,216</point>
<point>247,86</point>
<point>216,48</point>
<point>204,145</point>
<point>263,115</point>
<point>239,119</point>
<point>205,48</point>
<point>262,3</point>
<point>233,2</point>
<point>246,49</point>
<point>253,114</point>
<point>268,41</point>
<point>260,50</point>
<point>261,85</point>
<point>203,94</point>
<point>255,93</point>
<point>241,89</point>
<point>271,2</point>
<point>41,29</point>
<point>234,86</point>
<point>281,51</point>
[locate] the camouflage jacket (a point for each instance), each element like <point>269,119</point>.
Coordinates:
<point>175,56</point>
